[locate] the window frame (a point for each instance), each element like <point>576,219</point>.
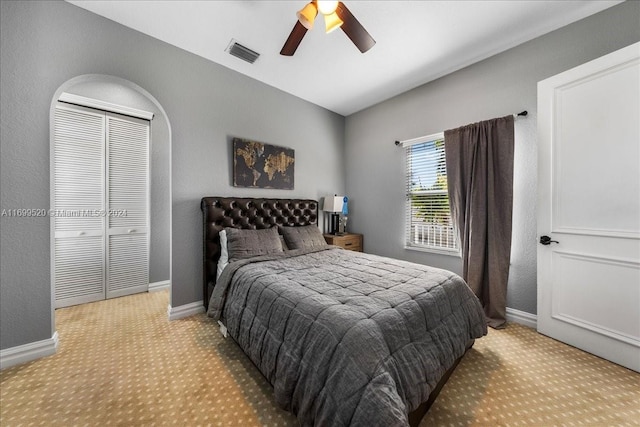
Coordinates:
<point>408,234</point>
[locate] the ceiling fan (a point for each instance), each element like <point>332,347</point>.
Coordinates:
<point>336,15</point>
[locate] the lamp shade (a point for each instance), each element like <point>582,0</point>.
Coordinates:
<point>307,15</point>
<point>332,22</point>
<point>332,203</point>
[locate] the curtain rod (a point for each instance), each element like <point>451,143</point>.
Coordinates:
<point>522,113</point>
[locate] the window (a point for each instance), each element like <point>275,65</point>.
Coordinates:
<point>428,224</point>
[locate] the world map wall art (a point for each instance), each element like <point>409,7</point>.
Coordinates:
<point>259,165</point>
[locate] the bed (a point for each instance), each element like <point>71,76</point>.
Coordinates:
<point>344,338</point>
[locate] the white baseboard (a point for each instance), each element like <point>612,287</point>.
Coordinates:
<point>522,317</point>
<point>159,286</point>
<point>28,352</point>
<point>186,310</point>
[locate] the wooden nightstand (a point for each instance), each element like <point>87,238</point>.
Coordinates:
<point>350,241</point>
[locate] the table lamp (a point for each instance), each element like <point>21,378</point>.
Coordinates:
<point>333,205</point>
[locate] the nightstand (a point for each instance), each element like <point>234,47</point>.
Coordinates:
<point>350,241</point>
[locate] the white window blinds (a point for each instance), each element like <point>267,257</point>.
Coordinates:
<point>428,219</point>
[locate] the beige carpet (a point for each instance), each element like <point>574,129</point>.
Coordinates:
<point>122,363</point>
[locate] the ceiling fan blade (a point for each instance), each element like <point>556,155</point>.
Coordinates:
<point>354,29</point>
<point>294,39</point>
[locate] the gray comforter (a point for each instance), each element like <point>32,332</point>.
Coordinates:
<point>347,338</point>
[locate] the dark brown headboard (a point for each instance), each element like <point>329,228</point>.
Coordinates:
<point>221,212</point>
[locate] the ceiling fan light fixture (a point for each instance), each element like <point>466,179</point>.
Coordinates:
<point>332,22</point>
<point>307,15</point>
<point>327,7</point>
<point>336,15</point>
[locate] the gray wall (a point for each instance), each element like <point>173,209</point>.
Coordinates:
<point>43,45</point>
<point>500,85</point>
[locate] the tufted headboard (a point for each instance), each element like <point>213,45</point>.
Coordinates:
<point>221,212</point>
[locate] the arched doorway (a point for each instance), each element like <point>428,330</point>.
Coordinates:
<point>114,91</point>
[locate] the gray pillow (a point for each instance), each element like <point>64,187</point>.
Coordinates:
<point>247,243</point>
<point>307,236</point>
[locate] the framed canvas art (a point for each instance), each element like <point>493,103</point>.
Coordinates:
<point>259,165</point>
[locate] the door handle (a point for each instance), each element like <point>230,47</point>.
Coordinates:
<point>546,240</point>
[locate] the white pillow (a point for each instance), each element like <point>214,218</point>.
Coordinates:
<point>224,253</point>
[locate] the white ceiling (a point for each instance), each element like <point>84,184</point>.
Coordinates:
<point>417,41</point>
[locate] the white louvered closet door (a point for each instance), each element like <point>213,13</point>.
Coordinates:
<point>101,200</point>
<point>127,205</point>
<point>78,198</point>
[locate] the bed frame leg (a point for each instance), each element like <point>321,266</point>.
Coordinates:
<point>223,329</point>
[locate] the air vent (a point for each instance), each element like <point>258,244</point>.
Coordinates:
<point>242,52</point>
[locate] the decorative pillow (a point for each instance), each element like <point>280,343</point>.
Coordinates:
<point>247,243</point>
<point>224,253</point>
<point>307,236</point>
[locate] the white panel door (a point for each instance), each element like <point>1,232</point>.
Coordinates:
<point>127,205</point>
<point>589,206</point>
<point>78,201</point>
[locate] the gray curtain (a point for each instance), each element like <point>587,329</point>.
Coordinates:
<point>480,182</point>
